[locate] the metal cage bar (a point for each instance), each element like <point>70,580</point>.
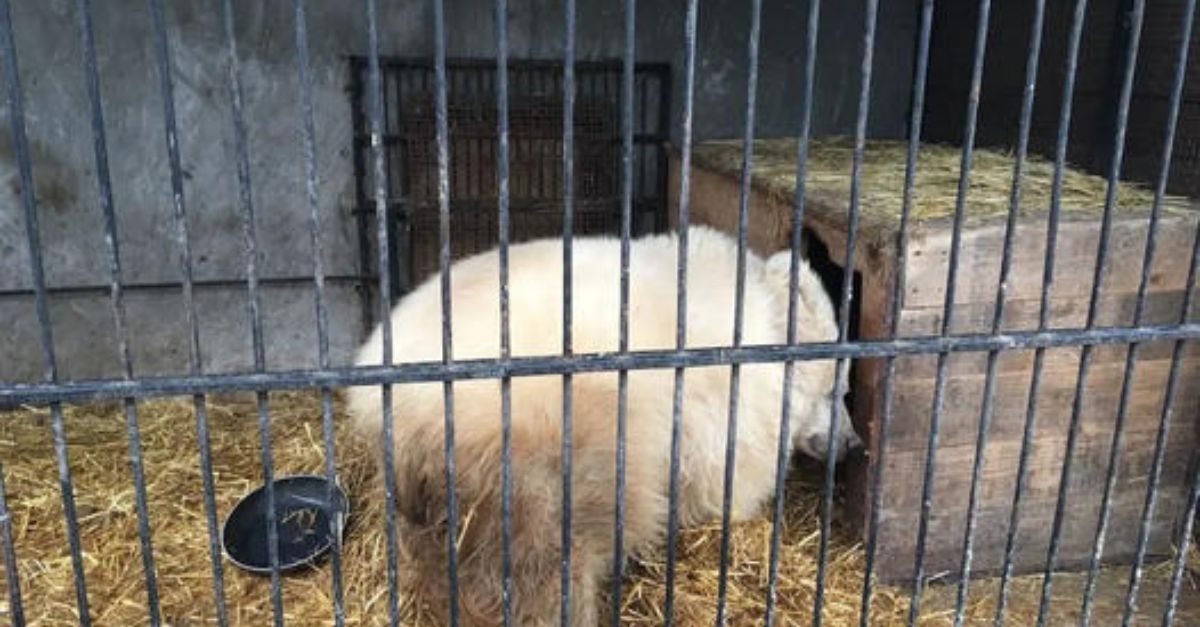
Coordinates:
<point>568,302</point>
<point>443,193</point>
<point>263,381</point>
<point>503,226</point>
<point>627,88</point>
<point>385,305</point>
<point>843,364</point>
<point>162,56</point>
<point>783,452</point>
<point>739,306</point>
<point>1185,533</point>
<point>467,369</point>
<point>948,307</point>
<point>685,175</point>
<point>1006,262</point>
<point>16,116</point>
<point>1160,443</point>
<point>917,113</point>
<point>1052,224</point>
<point>11,575</point>
<point>250,245</point>
<point>104,182</point>
<point>309,134</point>
<point>1085,359</point>
<point>1148,256</point>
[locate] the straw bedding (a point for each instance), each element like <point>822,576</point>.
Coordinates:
<point>935,189</point>
<point>112,560</point>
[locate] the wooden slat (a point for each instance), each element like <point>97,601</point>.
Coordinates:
<point>1115,309</point>
<point>952,479</point>
<point>963,401</point>
<point>975,363</point>
<point>944,551</point>
<point>1075,260</point>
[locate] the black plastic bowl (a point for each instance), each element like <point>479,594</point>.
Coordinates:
<point>303,513</point>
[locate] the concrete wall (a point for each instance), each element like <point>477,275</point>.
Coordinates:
<point>73,243</point>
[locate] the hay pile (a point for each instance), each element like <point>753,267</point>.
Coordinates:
<point>108,526</point>
<point>936,185</point>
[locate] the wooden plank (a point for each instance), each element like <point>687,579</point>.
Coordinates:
<point>714,202</point>
<point>975,363</point>
<point>943,552</point>
<point>963,400</point>
<point>952,479</point>
<point>1115,310</point>
<point>1075,259</point>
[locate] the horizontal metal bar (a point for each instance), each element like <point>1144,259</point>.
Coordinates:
<point>425,372</point>
<point>489,65</point>
<point>403,209</point>
<point>656,140</point>
<point>287,281</point>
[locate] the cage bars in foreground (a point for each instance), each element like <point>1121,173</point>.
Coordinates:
<point>163,62</point>
<point>847,295</point>
<point>681,302</point>
<point>948,308</point>
<point>1132,351</point>
<point>783,452</point>
<point>1085,359</point>
<point>1010,229</point>
<point>309,133</point>
<point>16,117</point>
<point>1052,222</point>
<point>250,249</point>
<point>739,304</point>
<point>627,87</point>
<point>130,389</point>
<point>91,75</point>
<point>920,74</point>
<point>502,231</point>
<point>375,114</point>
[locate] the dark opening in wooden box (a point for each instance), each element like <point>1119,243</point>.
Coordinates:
<point>715,185</point>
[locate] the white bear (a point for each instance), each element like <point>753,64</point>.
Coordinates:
<point>536,302</point>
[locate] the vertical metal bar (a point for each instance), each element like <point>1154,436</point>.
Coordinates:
<point>11,576</point>
<point>916,113</point>
<point>1184,542</point>
<point>1010,232</point>
<point>948,310</point>
<point>162,51</point>
<point>568,183</point>
<point>1164,427</point>
<point>843,364</point>
<point>104,181</point>
<point>685,184</point>
<point>628,83</point>
<point>443,158</point>
<point>1133,350</point>
<point>16,117</point>
<point>784,449</point>
<point>1052,222</point>
<point>250,235</point>
<point>375,113</point>
<point>503,229</point>
<point>739,306</point>
<point>309,133</point>
<point>1085,359</point>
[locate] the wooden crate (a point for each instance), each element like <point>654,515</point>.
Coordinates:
<point>714,201</point>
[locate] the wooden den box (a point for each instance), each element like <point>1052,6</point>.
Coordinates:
<point>714,201</point>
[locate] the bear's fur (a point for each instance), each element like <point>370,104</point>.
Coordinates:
<point>535,292</point>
